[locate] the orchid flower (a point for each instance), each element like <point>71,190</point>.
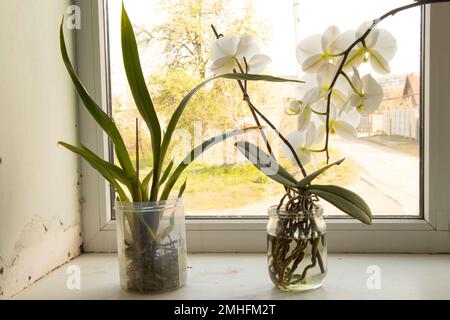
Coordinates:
<point>305,111</point>
<point>378,49</point>
<point>367,94</point>
<point>318,49</point>
<point>294,107</point>
<point>324,77</point>
<point>302,142</point>
<point>342,123</point>
<point>228,54</point>
<point>315,99</point>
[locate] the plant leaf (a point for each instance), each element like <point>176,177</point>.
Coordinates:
<point>166,172</point>
<point>198,150</point>
<point>184,102</point>
<point>165,232</point>
<point>307,180</point>
<point>183,187</point>
<point>145,184</point>
<point>141,95</point>
<point>257,77</point>
<point>266,164</point>
<point>90,156</point>
<point>149,228</point>
<point>162,234</point>
<point>109,171</point>
<point>345,200</point>
<point>97,113</point>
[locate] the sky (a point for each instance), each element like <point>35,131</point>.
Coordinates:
<point>314,16</point>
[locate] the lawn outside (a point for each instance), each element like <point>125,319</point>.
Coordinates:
<point>241,190</point>
<point>384,170</point>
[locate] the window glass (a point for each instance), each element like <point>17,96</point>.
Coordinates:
<point>382,165</point>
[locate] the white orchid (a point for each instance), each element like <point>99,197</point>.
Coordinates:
<point>342,123</point>
<point>315,99</point>
<point>378,49</point>
<point>324,78</point>
<point>367,94</point>
<point>317,50</point>
<point>229,52</point>
<point>294,107</point>
<point>309,99</point>
<point>302,143</point>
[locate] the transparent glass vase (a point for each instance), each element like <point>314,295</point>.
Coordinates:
<point>151,242</point>
<point>297,249</point>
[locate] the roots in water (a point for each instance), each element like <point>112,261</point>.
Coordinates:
<point>295,262</point>
<point>296,246</point>
<point>153,270</point>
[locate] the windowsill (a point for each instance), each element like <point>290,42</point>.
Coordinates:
<point>244,276</point>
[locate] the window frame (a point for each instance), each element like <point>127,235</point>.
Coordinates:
<point>429,234</point>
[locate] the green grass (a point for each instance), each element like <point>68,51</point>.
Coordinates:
<point>211,187</point>
<point>222,187</point>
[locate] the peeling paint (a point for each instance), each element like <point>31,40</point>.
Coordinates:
<point>41,248</point>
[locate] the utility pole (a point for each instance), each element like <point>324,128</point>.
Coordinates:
<point>296,12</point>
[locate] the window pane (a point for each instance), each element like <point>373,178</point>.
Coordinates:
<point>382,165</point>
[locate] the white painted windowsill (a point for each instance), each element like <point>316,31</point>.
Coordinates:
<point>244,276</point>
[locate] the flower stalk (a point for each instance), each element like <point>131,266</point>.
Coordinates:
<point>255,112</point>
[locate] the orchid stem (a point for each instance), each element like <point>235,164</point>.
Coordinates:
<point>349,82</point>
<point>255,113</point>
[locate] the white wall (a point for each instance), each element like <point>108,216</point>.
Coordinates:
<point>39,196</point>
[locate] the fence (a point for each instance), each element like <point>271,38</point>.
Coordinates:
<point>404,123</point>
<point>400,122</point>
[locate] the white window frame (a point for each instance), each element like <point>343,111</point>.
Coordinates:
<point>427,235</point>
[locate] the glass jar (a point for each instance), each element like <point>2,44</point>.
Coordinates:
<point>151,243</point>
<point>297,249</point>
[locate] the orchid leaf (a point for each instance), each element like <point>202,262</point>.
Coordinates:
<point>166,173</point>
<point>97,113</point>
<point>345,200</point>
<point>148,227</point>
<point>183,187</point>
<point>266,164</point>
<point>109,171</point>
<point>165,232</point>
<point>256,77</point>
<point>145,185</point>
<point>307,180</point>
<point>141,95</point>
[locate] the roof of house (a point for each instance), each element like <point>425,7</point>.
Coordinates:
<point>412,88</point>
